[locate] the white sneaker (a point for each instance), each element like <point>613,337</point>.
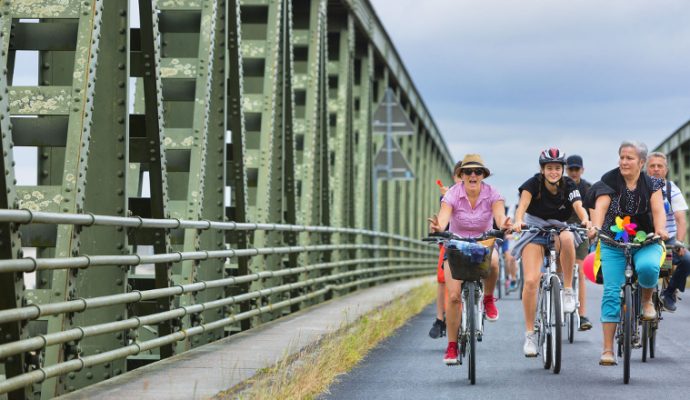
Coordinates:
<point>530,347</point>
<point>568,300</point>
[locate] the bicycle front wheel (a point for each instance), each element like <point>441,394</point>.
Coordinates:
<point>646,327</point>
<point>472,327</point>
<point>556,323</point>
<point>628,315</point>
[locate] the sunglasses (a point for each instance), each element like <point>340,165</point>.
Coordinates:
<point>574,168</point>
<point>470,171</point>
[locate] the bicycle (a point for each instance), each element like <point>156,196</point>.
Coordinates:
<point>573,318</point>
<point>628,329</point>
<point>649,328</point>
<point>501,287</point>
<point>550,317</point>
<point>467,268</point>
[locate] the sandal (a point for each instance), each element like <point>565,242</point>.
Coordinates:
<point>648,315</point>
<point>608,358</point>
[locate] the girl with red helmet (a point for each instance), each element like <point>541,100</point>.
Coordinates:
<point>547,199</point>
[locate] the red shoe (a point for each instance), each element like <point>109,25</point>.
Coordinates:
<point>451,357</point>
<point>490,307</point>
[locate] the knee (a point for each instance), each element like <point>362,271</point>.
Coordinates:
<point>647,275</point>
<point>531,284</point>
<point>454,297</point>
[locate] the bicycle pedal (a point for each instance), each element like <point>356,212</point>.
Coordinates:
<point>479,338</point>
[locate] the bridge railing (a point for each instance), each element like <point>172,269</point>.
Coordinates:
<point>360,258</point>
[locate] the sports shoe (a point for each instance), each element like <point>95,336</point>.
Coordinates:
<point>530,347</point>
<point>490,307</point>
<point>451,356</point>
<point>568,300</point>
<point>438,329</point>
<point>668,301</point>
<point>585,325</point>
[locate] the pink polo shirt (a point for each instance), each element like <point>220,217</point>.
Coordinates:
<point>466,221</point>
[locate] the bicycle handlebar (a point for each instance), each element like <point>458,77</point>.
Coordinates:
<point>555,229</point>
<point>447,235</point>
<point>610,241</point>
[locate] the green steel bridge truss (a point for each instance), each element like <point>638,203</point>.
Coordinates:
<point>199,172</point>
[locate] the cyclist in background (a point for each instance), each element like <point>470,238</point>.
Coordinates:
<point>627,191</point>
<point>575,168</point>
<point>470,207</point>
<point>676,225</point>
<point>438,328</point>
<point>546,199</point>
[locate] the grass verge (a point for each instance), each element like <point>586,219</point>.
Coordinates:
<point>311,372</point>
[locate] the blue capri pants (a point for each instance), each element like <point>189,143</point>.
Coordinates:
<point>647,261</point>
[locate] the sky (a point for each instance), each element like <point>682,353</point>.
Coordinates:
<point>507,79</point>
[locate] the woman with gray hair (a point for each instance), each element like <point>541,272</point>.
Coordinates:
<point>628,192</point>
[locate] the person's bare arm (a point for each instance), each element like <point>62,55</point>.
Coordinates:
<point>525,199</point>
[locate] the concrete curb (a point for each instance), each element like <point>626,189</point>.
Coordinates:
<point>205,371</point>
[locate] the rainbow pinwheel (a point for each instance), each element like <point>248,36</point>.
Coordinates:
<point>624,229</point>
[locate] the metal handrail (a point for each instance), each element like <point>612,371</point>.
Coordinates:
<point>387,257</point>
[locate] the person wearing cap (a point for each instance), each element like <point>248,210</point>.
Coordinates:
<point>470,206</point>
<point>574,167</point>
<point>547,199</point>
<point>676,225</point>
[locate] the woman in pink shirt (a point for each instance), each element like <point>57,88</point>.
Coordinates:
<point>470,207</point>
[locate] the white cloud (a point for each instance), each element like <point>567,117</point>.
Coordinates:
<point>507,78</point>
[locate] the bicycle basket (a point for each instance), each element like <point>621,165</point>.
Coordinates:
<point>470,261</point>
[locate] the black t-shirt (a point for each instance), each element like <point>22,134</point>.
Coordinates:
<point>557,206</point>
<point>582,187</point>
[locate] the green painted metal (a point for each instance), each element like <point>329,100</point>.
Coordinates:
<point>12,291</point>
<point>267,102</point>
<point>109,147</point>
<point>187,29</point>
<point>236,173</point>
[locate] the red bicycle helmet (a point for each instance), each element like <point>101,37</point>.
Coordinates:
<point>552,155</point>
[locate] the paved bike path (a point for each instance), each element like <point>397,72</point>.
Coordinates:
<point>409,364</point>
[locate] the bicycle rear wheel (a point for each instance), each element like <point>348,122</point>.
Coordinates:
<point>628,316</point>
<point>556,323</point>
<point>471,325</point>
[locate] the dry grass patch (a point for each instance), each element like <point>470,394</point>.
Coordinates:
<point>313,370</point>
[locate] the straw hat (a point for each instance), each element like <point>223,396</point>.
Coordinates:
<point>474,161</point>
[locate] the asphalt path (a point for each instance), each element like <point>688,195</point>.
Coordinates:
<point>409,365</point>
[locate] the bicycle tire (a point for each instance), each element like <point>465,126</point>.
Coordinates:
<point>544,332</point>
<point>501,276</point>
<point>521,279</point>
<point>471,325</point>
<point>645,340</point>
<point>628,316</point>
<point>556,323</point>
<point>571,327</point>
<point>652,341</point>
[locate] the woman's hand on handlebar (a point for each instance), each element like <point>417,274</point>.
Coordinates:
<point>507,225</point>
<point>517,226</point>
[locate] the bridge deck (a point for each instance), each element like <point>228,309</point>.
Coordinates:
<point>215,367</point>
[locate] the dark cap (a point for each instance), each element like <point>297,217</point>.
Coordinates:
<point>574,161</point>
